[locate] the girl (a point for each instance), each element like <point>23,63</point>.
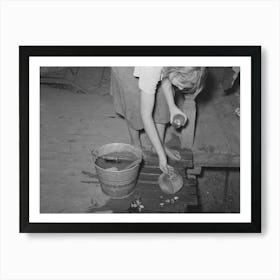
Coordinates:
<point>144,96</point>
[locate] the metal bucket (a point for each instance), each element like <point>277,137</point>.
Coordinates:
<point>121,183</point>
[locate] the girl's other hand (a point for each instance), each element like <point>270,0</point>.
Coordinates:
<point>164,167</point>
<point>176,111</point>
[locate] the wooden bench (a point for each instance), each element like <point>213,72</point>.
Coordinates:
<point>212,131</point>
<point>215,143</point>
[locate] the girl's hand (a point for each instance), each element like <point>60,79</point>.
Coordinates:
<point>164,167</point>
<point>176,111</point>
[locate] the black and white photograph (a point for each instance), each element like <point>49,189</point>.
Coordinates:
<point>157,142</point>
<point>139,139</point>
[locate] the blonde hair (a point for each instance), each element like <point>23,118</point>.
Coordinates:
<point>195,76</point>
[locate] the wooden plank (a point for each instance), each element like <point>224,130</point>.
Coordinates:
<point>148,177</point>
<point>153,205</point>
<point>209,135</point>
<point>217,134</point>
<point>229,122</point>
<point>148,187</point>
<point>187,133</point>
<point>232,192</point>
<point>187,184</point>
<point>186,161</point>
<point>144,184</point>
<point>216,160</point>
<point>150,170</point>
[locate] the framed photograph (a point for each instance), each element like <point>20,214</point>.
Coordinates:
<point>140,139</point>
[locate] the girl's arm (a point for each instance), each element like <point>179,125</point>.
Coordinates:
<point>169,96</point>
<point>147,106</point>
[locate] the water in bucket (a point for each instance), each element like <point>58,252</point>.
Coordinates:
<point>116,160</point>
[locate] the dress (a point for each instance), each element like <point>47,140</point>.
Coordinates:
<point>126,95</point>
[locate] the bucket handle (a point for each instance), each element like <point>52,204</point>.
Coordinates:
<point>94,155</point>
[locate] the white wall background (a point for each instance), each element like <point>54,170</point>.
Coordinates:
<point>124,256</point>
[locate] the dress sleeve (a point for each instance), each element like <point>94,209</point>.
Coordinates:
<point>148,78</point>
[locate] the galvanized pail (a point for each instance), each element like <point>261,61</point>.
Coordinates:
<point>121,183</point>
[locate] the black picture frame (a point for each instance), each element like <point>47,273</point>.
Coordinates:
<point>254,52</point>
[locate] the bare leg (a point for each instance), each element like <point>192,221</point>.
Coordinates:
<point>134,136</point>
<point>135,139</point>
<point>161,131</point>
<point>172,154</point>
